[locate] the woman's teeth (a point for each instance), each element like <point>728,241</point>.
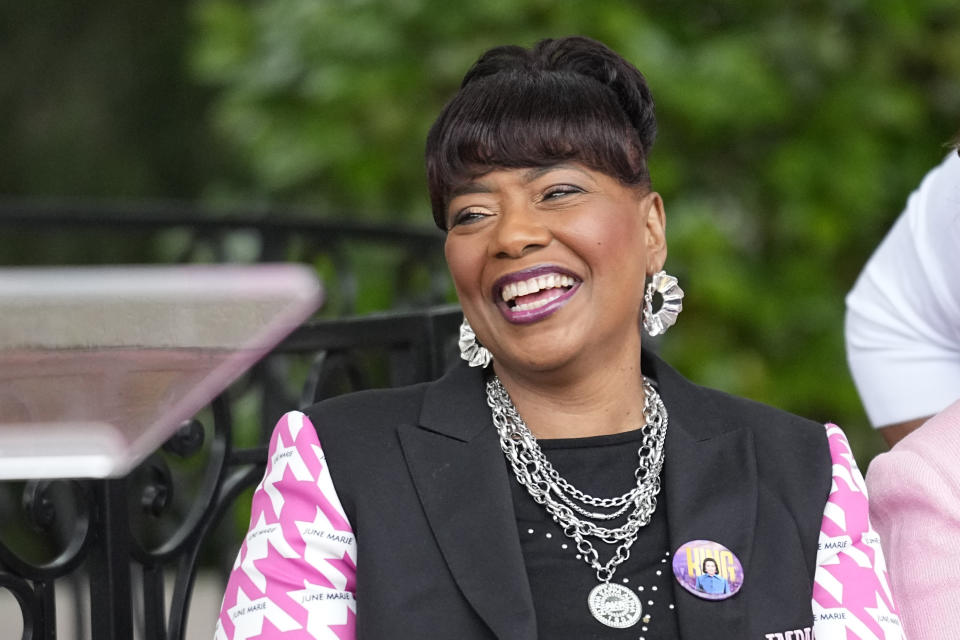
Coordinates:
<point>535,285</point>
<point>536,304</point>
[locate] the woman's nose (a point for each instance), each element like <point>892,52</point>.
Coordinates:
<point>519,231</point>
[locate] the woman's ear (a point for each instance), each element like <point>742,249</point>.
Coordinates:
<point>651,206</point>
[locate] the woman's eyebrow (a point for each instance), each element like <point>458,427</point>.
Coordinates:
<point>532,174</point>
<point>529,175</point>
<point>468,188</point>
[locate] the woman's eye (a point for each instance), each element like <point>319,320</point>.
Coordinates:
<point>560,191</point>
<point>467,216</point>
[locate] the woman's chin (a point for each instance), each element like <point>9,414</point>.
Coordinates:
<point>530,361</point>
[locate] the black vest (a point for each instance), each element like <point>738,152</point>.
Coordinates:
<point>422,479</point>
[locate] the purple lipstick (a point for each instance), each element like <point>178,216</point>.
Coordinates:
<point>533,294</point>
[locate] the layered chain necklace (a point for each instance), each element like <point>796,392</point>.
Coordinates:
<point>575,511</point>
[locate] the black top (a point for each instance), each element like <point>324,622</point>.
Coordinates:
<point>422,479</point>
<point>560,580</point>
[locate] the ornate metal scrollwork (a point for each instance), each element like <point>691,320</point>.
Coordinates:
<point>188,439</point>
<point>23,592</point>
<point>37,505</point>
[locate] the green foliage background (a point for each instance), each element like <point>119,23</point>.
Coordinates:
<point>790,135</point>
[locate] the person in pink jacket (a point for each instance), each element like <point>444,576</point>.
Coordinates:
<point>915,506</point>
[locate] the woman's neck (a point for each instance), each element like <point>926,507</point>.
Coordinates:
<point>608,400</point>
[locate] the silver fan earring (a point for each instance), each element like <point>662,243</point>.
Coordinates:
<point>672,296</point>
<point>470,350</point>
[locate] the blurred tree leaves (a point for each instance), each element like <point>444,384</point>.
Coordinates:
<point>97,101</point>
<point>790,136</point>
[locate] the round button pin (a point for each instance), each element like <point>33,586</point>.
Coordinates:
<point>707,569</point>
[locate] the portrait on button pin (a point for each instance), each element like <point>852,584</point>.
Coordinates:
<point>708,569</point>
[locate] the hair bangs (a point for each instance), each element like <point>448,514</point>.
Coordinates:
<point>530,119</point>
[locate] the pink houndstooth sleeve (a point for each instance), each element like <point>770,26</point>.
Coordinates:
<point>851,592</point>
<point>295,575</point>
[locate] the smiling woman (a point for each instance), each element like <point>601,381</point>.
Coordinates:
<point>562,482</point>
<point>592,236</point>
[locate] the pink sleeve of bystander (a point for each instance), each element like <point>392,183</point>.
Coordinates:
<point>915,504</point>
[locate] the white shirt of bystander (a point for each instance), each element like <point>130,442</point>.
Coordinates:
<point>903,314</point>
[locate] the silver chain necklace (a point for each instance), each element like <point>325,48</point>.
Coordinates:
<point>611,604</point>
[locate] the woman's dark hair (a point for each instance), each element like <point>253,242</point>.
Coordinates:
<point>565,99</point>
<point>715,565</point>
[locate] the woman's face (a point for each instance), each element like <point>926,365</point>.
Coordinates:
<point>711,567</point>
<point>549,263</point>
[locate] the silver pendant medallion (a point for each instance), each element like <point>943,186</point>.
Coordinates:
<point>614,605</point>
